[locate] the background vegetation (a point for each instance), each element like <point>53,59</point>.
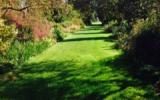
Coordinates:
<point>27,27</point>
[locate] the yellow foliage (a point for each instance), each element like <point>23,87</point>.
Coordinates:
<point>7,34</point>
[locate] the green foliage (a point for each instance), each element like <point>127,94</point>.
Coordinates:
<point>108,10</point>
<point>86,9</point>
<point>7,35</point>
<point>72,25</point>
<point>110,25</point>
<point>19,52</point>
<point>61,14</point>
<point>62,30</point>
<point>142,41</point>
<point>117,28</point>
<point>57,34</point>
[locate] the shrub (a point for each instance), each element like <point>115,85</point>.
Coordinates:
<point>117,27</point>
<point>143,41</point>
<point>41,29</point>
<point>37,27</point>
<point>110,25</point>
<point>61,30</point>
<point>72,25</point>
<point>7,35</point>
<point>57,33</point>
<point>138,28</point>
<point>19,52</point>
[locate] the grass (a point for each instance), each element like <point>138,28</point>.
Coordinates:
<point>82,67</point>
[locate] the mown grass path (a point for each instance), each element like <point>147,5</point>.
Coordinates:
<point>79,68</point>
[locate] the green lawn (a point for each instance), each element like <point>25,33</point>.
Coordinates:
<point>82,67</point>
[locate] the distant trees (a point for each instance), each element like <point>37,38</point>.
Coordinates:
<point>136,9</point>
<point>86,8</point>
<point>107,10</point>
<point>124,9</point>
<point>114,9</point>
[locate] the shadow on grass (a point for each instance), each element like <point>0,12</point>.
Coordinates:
<point>85,39</point>
<point>147,74</point>
<point>91,30</point>
<point>108,39</point>
<point>93,27</point>
<point>67,81</point>
<point>90,33</point>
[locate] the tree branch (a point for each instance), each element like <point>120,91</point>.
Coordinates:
<point>16,9</point>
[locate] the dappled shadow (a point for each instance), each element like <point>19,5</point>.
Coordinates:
<point>105,38</point>
<point>58,81</point>
<point>145,73</point>
<point>90,33</point>
<point>93,27</point>
<point>85,39</point>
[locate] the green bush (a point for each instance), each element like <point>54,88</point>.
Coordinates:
<point>117,27</point>
<point>139,27</point>
<point>19,52</point>
<point>57,33</point>
<point>142,43</point>
<point>110,25</point>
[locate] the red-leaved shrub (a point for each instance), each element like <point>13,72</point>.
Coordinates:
<point>40,28</point>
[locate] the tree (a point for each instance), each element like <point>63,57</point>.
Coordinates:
<point>86,9</point>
